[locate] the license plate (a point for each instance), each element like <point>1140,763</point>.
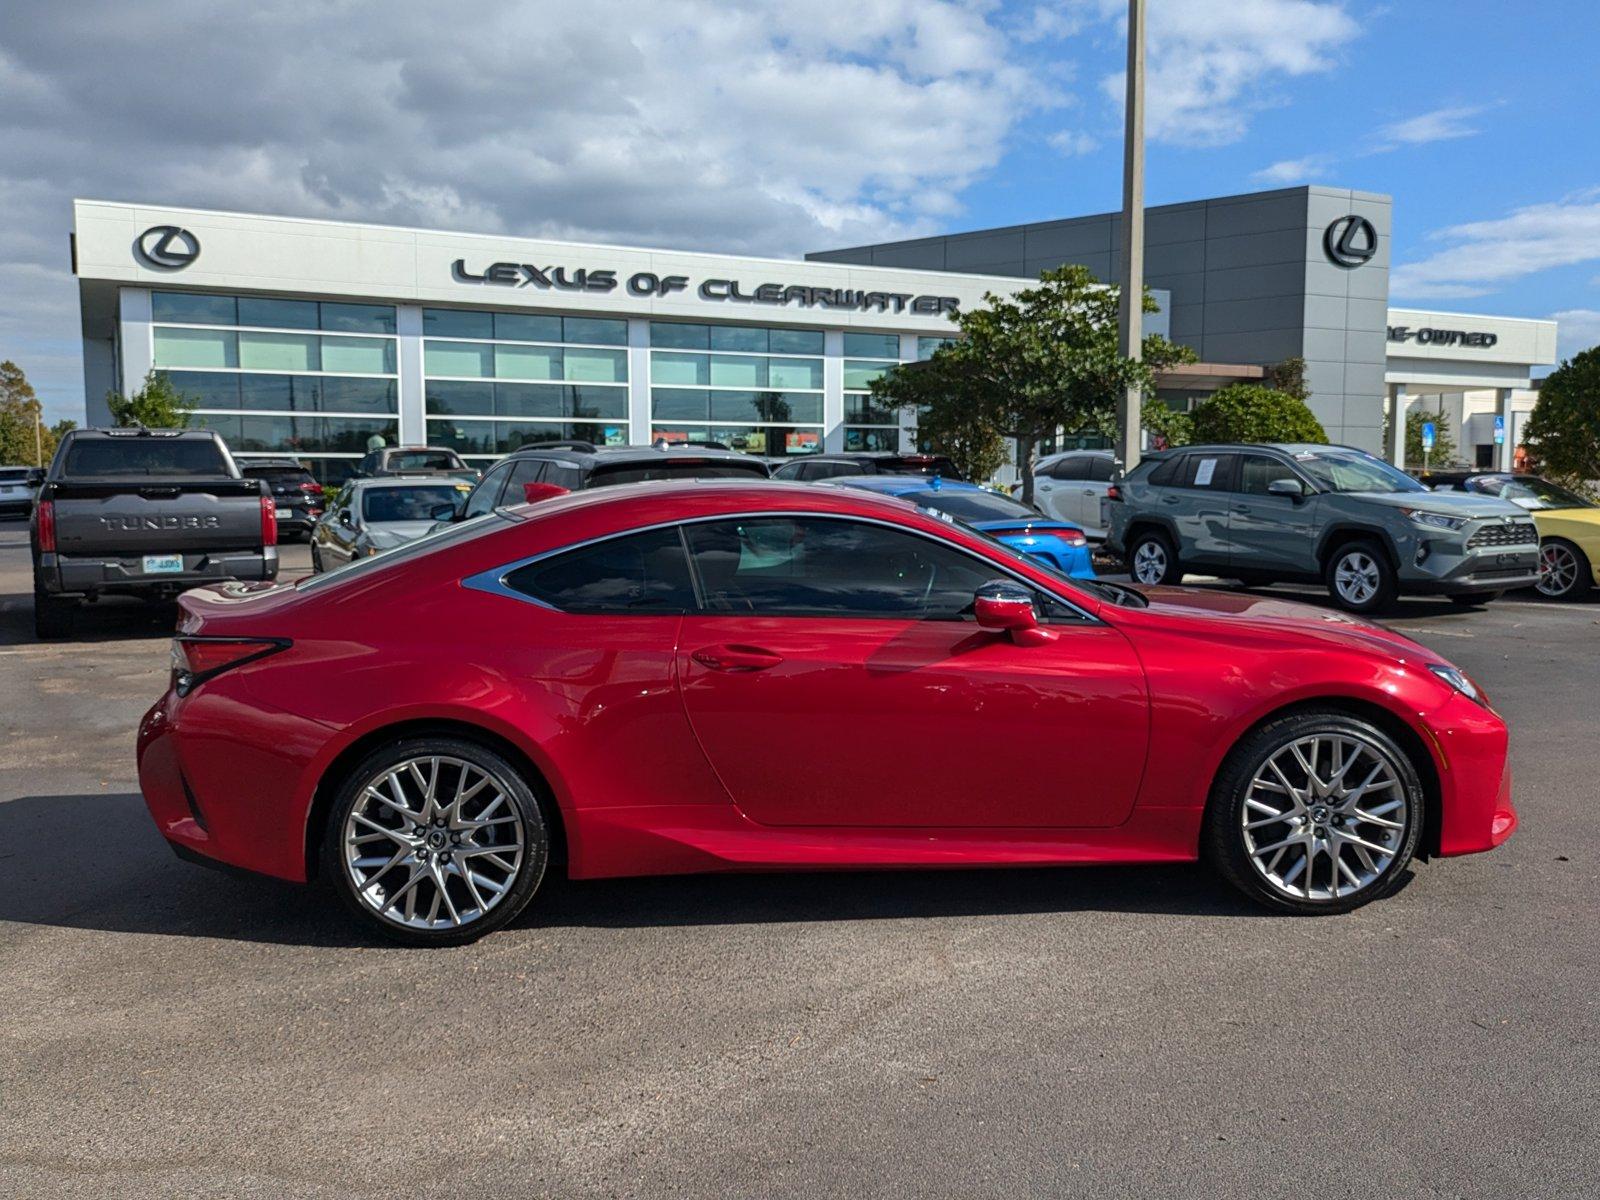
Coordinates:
<point>163,564</point>
<point>285,513</point>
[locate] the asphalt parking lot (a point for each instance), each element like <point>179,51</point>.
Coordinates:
<point>171,1031</point>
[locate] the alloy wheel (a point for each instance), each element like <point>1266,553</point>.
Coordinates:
<point>1356,577</point>
<point>1558,569</point>
<point>1150,562</point>
<point>433,843</point>
<point>1325,816</point>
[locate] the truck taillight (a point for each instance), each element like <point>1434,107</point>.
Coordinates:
<point>269,521</point>
<point>47,526</point>
<point>312,488</point>
<point>197,659</point>
<point>1113,492</point>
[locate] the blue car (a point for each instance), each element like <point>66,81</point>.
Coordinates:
<point>1056,543</point>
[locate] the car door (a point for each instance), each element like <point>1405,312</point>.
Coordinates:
<point>1271,533</point>
<point>1198,507</point>
<point>832,679</point>
<point>1058,488</point>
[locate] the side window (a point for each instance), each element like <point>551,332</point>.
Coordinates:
<point>1166,474</point>
<point>794,470</point>
<point>1101,469</point>
<point>487,494</point>
<point>1256,471</point>
<point>562,475</point>
<point>1208,472</point>
<point>523,470</point>
<point>1076,467</point>
<point>641,573</point>
<point>782,566</point>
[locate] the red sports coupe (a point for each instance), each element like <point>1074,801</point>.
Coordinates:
<point>685,677</point>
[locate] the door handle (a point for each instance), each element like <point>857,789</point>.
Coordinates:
<point>736,658</point>
<point>1169,500</point>
<point>1089,492</point>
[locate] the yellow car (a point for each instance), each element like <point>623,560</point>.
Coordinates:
<point>1569,529</point>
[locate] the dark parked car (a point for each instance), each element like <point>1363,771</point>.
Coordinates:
<point>17,488</point>
<point>1303,513</point>
<point>295,492</point>
<point>574,466</point>
<point>816,467</point>
<point>415,460</point>
<point>146,513</point>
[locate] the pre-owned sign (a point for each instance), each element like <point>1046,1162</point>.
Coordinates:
<point>1442,337</point>
<point>647,283</point>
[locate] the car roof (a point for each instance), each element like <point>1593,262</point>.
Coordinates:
<point>613,454</point>
<point>1243,447</point>
<point>394,481</point>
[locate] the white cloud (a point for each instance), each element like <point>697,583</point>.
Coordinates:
<point>1577,329</point>
<point>1292,170</point>
<point>1212,64</point>
<point>1070,143</point>
<point>1442,124</point>
<point>1476,256</point>
<point>737,125</point>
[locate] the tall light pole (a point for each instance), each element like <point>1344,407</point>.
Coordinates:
<point>1131,312</point>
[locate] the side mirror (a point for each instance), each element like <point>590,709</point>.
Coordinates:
<point>35,476</point>
<point>442,512</point>
<point>1002,606</point>
<point>1291,488</point>
<point>532,493</point>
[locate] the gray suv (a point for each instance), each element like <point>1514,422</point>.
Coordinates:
<point>1271,514</point>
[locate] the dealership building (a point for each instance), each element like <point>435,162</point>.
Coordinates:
<point>315,338</point>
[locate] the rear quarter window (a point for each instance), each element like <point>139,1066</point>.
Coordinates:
<point>639,573</point>
<point>1166,473</point>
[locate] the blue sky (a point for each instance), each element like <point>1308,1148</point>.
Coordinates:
<point>780,126</point>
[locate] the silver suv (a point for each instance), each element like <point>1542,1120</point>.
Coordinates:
<point>1302,513</point>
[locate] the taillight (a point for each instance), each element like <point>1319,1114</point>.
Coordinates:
<point>1072,537</point>
<point>1113,492</point>
<point>47,526</point>
<point>197,659</point>
<point>311,489</point>
<point>269,521</point>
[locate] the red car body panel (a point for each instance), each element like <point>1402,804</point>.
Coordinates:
<point>875,743</point>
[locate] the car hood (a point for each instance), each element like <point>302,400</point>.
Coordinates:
<point>1450,504</point>
<point>1273,616</point>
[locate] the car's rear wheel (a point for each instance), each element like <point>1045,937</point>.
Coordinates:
<point>316,559</point>
<point>1153,560</point>
<point>1315,812</point>
<point>1359,577</point>
<point>1563,570</point>
<point>435,841</point>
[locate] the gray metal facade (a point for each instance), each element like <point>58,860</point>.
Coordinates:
<point>1250,278</point>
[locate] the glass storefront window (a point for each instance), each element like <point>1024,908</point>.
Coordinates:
<point>597,366</point>
<point>526,362</point>
<point>196,348</point>
<point>794,341</point>
<point>456,323</point>
<point>858,375</point>
<point>206,389</point>
<point>472,360</point>
<point>872,345</point>
<point>278,314</point>
<point>804,374</point>
<point>861,410</point>
<point>680,369</point>
<point>595,331</point>
<point>369,356</point>
<point>774,440</point>
<point>469,437</point>
<point>927,345</point>
<point>192,308</point>
<point>866,441</point>
<point>279,351</point>
<point>358,318</point>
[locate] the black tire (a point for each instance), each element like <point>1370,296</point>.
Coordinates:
<point>1222,834</point>
<point>316,559</point>
<point>1474,599</point>
<point>520,797</point>
<point>1573,559</point>
<point>52,616</point>
<point>1367,559</point>
<point>1159,559</point>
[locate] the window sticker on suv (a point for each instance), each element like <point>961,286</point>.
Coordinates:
<point>1204,472</point>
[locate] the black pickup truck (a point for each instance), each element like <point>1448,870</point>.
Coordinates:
<point>145,513</point>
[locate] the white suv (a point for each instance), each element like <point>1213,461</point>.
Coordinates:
<point>1071,486</point>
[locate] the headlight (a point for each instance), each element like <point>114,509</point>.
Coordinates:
<point>1458,679</point>
<point>1433,520</point>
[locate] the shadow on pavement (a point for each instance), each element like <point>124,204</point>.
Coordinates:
<point>108,869</point>
<point>114,618</point>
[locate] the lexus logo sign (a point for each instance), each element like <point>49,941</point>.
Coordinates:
<point>1350,241</point>
<point>167,248</point>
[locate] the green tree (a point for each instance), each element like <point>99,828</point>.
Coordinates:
<point>1248,412</point>
<point>1563,431</point>
<point>1289,377</point>
<point>1027,365</point>
<point>964,433</point>
<point>158,404</point>
<point>1444,445</point>
<point>24,439</point>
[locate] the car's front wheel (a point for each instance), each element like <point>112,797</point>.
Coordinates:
<point>435,841</point>
<point>1359,577</point>
<point>1315,812</point>
<point>1563,570</point>
<point>1153,560</point>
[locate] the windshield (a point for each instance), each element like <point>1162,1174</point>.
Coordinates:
<point>405,503</point>
<point>683,469</point>
<point>1531,493</point>
<point>1353,471</point>
<point>936,465</point>
<point>120,457</point>
<point>277,474</point>
<point>424,460</point>
<point>973,506</point>
<point>14,474</point>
